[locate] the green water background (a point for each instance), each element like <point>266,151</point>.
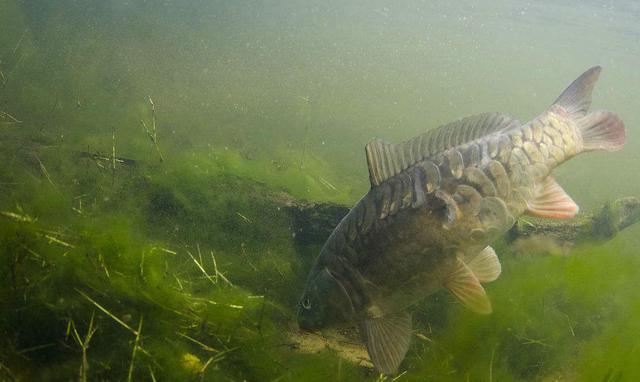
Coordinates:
<point>287,93</point>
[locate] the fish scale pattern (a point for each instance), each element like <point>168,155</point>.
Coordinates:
<point>488,179</point>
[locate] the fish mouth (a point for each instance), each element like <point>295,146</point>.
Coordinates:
<point>305,321</point>
<point>307,325</point>
<point>308,329</point>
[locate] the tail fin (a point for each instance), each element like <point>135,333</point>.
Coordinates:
<point>576,99</point>
<point>601,130</point>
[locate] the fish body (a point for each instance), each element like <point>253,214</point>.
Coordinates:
<point>436,203</point>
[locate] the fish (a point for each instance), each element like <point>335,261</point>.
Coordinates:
<point>435,205</point>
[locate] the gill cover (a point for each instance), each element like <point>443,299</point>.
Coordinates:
<point>325,302</point>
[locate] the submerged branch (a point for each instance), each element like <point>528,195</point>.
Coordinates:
<point>314,222</point>
<point>603,225</point>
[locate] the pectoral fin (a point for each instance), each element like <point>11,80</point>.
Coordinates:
<point>466,287</point>
<point>551,201</point>
<point>484,265</point>
<point>387,340</point>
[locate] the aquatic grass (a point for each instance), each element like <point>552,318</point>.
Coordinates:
<point>221,310</point>
<point>315,182</point>
<point>111,261</point>
<point>552,315</point>
<point>612,356</point>
<point>152,132</point>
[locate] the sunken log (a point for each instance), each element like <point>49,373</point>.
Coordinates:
<point>602,225</point>
<point>314,222</point>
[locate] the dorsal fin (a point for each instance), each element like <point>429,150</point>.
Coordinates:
<point>387,159</point>
<point>576,98</point>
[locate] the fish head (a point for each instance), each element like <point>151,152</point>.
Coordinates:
<point>325,302</point>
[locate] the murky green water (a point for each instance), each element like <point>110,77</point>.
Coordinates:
<point>119,266</point>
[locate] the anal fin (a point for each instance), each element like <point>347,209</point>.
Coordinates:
<point>466,287</point>
<point>551,201</point>
<point>387,340</point>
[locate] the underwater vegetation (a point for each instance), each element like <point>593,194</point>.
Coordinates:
<point>117,265</point>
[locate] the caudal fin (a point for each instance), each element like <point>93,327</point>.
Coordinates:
<point>601,130</point>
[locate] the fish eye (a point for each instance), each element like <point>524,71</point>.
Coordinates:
<point>306,303</point>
